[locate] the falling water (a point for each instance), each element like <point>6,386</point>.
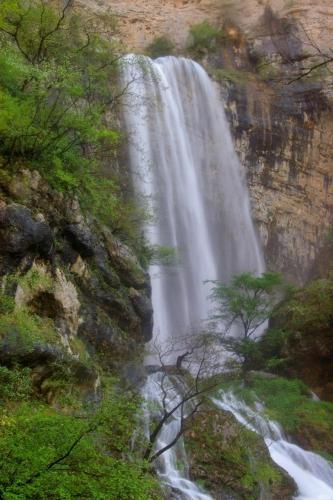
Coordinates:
<point>184,165</point>
<point>184,161</point>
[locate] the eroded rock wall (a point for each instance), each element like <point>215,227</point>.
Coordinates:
<point>63,267</point>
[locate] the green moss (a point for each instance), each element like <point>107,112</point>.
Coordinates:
<point>35,279</point>
<point>289,402</point>
<point>227,456</point>
<point>21,331</point>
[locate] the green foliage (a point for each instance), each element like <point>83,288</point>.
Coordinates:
<point>48,454</point>
<point>160,47</point>
<point>21,331</point>
<point>7,304</point>
<point>310,309</point>
<point>15,384</point>
<point>289,403</point>
<point>58,90</point>
<point>272,349</point>
<point>204,37</point>
<point>248,300</point>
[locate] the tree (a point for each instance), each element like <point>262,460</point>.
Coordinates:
<point>177,391</point>
<point>242,308</point>
<point>59,89</point>
<point>77,452</point>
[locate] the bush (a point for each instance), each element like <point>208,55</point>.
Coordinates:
<point>204,37</point>
<point>15,384</point>
<point>7,304</point>
<point>161,46</point>
<point>47,454</point>
<point>310,309</point>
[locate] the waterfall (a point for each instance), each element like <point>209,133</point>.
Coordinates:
<point>185,167</point>
<point>184,163</point>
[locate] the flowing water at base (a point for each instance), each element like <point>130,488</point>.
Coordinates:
<point>312,474</point>
<point>172,464</point>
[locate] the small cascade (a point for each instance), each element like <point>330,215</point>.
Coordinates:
<point>173,465</point>
<point>312,474</point>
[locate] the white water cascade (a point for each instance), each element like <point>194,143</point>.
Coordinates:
<point>312,474</point>
<point>184,164</point>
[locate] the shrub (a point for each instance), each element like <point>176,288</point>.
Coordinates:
<point>7,304</point>
<point>15,384</point>
<point>45,453</point>
<point>161,46</point>
<point>310,309</point>
<point>204,37</point>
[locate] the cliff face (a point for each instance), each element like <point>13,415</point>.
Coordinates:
<point>68,275</point>
<point>283,132</point>
<point>140,21</point>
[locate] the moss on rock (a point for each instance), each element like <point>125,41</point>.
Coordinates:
<point>228,459</point>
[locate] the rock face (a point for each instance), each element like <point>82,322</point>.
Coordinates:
<point>63,267</point>
<point>141,21</point>
<point>283,136</point>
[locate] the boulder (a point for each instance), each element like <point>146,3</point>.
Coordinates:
<point>20,232</point>
<point>82,239</point>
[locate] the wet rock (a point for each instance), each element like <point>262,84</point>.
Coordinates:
<point>102,263</point>
<point>13,352</point>
<point>144,309</point>
<point>82,239</point>
<point>125,262</point>
<point>20,232</point>
<point>232,461</point>
<point>97,329</point>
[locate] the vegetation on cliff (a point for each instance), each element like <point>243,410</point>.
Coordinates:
<point>74,299</point>
<point>59,89</point>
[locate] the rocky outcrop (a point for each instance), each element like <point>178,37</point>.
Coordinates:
<point>231,462</point>
<point>71,273</point>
